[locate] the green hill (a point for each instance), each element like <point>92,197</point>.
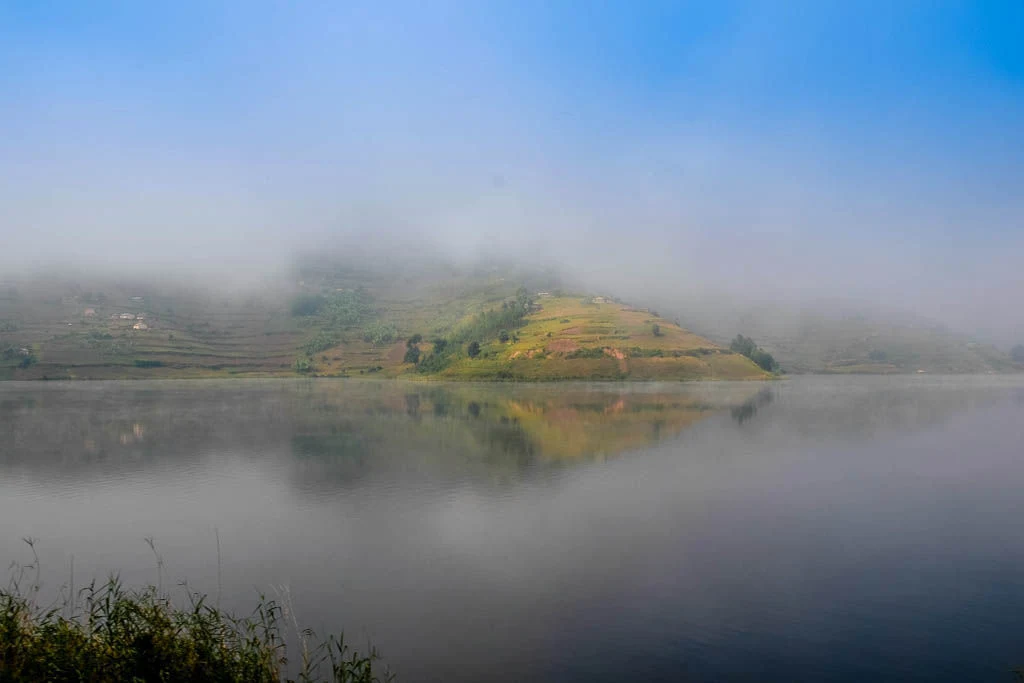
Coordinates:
<point>566,337</point>
<point>338,319</point>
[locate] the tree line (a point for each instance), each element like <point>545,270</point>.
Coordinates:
<point>749,348</point>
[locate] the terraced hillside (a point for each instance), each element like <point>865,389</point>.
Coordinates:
<point>330,320</point>
<point>66,329</point>
<point>596,338</point>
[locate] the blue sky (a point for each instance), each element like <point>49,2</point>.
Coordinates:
<point>847,148</point>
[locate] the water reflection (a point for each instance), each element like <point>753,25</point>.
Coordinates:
<point>748,409</point>
<point>351,426</point>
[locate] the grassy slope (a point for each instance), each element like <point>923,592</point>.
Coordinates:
<point>566,326</point>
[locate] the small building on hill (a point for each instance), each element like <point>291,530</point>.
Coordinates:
<point>89,313</point>
<point>140,326</point>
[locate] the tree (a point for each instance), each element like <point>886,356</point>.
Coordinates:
<point>764,360</point>
<point>474,349</point>
<point>308,304</point>
<point>503,336</point>
<point>747,347</point>
<point>412,355</point>
<point>439,344</point>
<point>1017,353</point>
<point>656,329</point>
<point>743,345</point>
<point>380,333</point>
<point>414,340</point>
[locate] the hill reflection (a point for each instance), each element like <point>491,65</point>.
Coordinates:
<point>345,427</point>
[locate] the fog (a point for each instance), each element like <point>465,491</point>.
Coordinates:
<point>735,156</point>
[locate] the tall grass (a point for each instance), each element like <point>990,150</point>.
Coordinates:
<point>106,632</point>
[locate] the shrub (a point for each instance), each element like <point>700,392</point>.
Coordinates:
<point>321,341</point>
<point>121,635</point>
<point>308,304</point>
<point>747,347</point>
<point>586,353</point>
<point>637,352</point>
<point>347,308</point>
<point>303,364</point>
<point>380,333</point>
<point>743,345</point>
<point>339,309</point>
<point>490,324</point>
<point>764,360</point>
<point>473,349</point>
<point>412,355</point>
<point>433,363</point>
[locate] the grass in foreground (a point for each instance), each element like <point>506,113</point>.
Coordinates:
<point>110,633</point>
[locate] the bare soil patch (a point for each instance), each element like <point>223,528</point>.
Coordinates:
<point>562,346</point>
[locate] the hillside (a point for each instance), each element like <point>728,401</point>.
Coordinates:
<point>330,319</point>
<point>596,338</point>
<point>833,339</point>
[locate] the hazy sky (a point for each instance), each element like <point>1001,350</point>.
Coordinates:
<point>792,150</point>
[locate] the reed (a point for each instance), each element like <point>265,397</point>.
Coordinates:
<point>107,632</point>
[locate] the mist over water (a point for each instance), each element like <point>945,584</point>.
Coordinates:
<point>826,529</point>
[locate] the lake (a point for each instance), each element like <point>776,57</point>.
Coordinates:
<point>811,529</point>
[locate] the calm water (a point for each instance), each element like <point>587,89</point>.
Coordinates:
<point>816,529</point>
